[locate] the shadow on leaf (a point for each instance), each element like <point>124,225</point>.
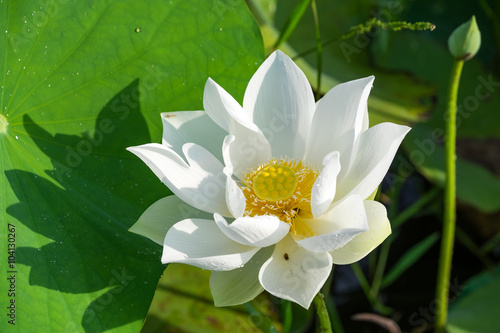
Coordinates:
<point>94,193</point>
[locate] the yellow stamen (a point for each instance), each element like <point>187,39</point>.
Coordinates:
<point>281,188</point>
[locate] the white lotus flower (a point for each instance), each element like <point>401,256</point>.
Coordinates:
<point>271,194</point>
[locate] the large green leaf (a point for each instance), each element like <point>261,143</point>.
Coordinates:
<point>81,81</point>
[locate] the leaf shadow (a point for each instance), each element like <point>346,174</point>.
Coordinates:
<point>85,206</point>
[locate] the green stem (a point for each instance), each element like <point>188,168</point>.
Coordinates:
<point>319,49</point>
<point>324,318</point>
<point>444,269</point>
<point>292,22</point>
<point>380,269</point>
<point>358,272</point>
<point>287,315</point>
<point>467,241</point>
<point>491,244</point>
<point>367,27</point>
<point>419,206</point>
<point>330,305</point>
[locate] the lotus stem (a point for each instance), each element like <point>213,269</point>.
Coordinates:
<point>449,219</point>
<point>324,318</point>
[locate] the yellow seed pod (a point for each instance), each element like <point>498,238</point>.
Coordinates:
<point>275,182</point>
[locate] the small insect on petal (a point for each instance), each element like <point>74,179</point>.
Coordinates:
<point>286,256</point>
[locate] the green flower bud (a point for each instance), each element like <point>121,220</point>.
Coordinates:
<point>465,41</point>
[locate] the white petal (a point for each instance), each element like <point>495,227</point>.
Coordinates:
<point>258,231</point>
<point>249,148</point>
<point>298,278</point>
<point>239,285</point>
<point>226,155</point>
<point>224,109</point>
<point>200,243</point>
<point>337,227</point>
<point>338,120</point>
<point>376,149</point>
<point>235,199</point>
<point>200,182</point>
<point>192,126</point>
<point>364,243</point>
<point>324,187</point>
<point>366,120</point>
<point>162,215</point>
<point>280,101</point>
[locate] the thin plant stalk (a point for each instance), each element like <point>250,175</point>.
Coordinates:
<point>319,49</point>
<point>330,304</point>
<point>324,318</point>
<point>292,22</point>
<point>449,219</point>
<point>379,307</point>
